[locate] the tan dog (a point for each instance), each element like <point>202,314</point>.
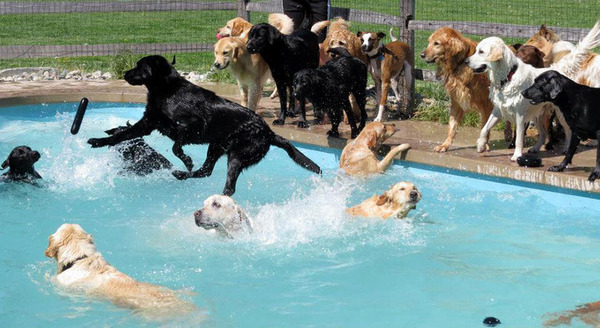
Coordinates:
<point>468,91</point>
<point>240,27</point>
<point>394,203</point>
<point>250,70</point>
<point>359,157</point>
<point>81,268</point>
<point>386,64</point>
<point>588,313</point>
<point>224,215</point>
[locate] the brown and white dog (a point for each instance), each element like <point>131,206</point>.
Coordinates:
<point>394,203</point>
<point>448,49</point>
<point>386,64</point>
<point>81,268</point>
<point>250,70</point>
<point>359,157</point>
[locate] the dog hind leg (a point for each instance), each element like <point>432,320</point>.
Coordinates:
<point>178,151</point>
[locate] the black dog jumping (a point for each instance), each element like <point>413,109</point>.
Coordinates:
<point>20,163</point>
<point>189,114</point>
<point>138,156</point>
<point>328,88</point>
<point>579,105</point>
<point>285,55</point>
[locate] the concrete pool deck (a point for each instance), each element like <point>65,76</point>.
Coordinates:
<point>422,136</point>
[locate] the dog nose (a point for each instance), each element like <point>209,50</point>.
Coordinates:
<point>414,195</point>
<point>467,61</point>
<point>198,217</point>
<point>216,64</point>
<point>423,55</point>
<point>36,155</point>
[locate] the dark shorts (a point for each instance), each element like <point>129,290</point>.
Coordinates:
<point>319,8</point>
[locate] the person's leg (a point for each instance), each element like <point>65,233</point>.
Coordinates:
<point>294,10</point>
<point>320,12</point>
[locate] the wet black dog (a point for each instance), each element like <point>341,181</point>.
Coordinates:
<point>329,86</point>
<point>285,55</point>
<point>189,114</point>
<point>579,105</point>
<point>20,165</point>
<point>138,156</point>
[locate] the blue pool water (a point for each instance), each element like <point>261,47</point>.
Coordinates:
<point>472,249</point>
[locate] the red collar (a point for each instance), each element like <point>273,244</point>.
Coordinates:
<point>509,76</point>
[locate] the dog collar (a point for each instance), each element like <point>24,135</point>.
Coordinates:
<point>70,264</point>
<point>509,76</point>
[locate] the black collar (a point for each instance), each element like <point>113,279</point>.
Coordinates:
<point>509,76</point>
<point>70,264</point>
<point>375,56</point>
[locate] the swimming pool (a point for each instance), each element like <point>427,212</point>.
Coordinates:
<point>473,248</point>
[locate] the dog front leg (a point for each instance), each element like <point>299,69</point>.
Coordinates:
<point>335,122</point>
<point>520,137</point>
<point>142,128</point>
<point>283,103</point>
<point>566,127</point>
<point>385,163</point>
<point>456,115</point>
<point>570,153</point>
<point>254,96</point>
<point>383,99</point>
<point>596,172</point>
<point>234,168</point>
<point>212,156</point>
<point>351,119</point>
<point>302,110</point>
<point>542,134</point>
<point>178,151</point>
<point>484,135</point>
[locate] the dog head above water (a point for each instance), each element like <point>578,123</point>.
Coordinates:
<point>402,198</point>
<point>370,41</point>
<point>20,163</point>
<point>224,215</point>
<point>151,71</point>
<point>69,244</point>
<point>546,87</point>
<point>261,36</point>
<point>376,133</point>
<point>490,54</point>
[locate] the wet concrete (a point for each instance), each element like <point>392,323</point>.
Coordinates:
<point>422,136</point>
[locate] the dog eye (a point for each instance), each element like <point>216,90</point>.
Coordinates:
<point>225,52</point>
<point>342,42</point>
<point>215,204</point>
<point>480,51</point>
<point>436,43</point>
<point>402,188</point>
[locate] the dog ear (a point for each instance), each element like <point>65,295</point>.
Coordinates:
<point>371,138</point>
<point>174,61</point>
<point>359,34</point>
<point>236,29</point>
<point>236,54</point>
<point>5,164</point>
<point>52,249</point>
<point>556,89</point>
<point>244,218</point>
<point>128,124</point>
<point>496,53</point>
<point>273,33</point>
<point>383,198</point>
<point>380,35</point>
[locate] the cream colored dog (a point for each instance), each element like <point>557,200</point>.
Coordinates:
<point>224,215</point>
<point>394,203</point>
<point>250,70</point>
<point>359,157</point>
<point>81,268</point>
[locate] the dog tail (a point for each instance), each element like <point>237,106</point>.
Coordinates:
<point>318,27</point>
<point>392,36</point>
<point>339,51</point>
<point>340,24</point>
<point>295,154</point>
<point>572,62</point>
<point>282,22</point>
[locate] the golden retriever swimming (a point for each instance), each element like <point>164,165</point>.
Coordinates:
<point>250,70</point>
<point>468,91</point>
<point>359,157</point>
<point>588,313</point>
<point>394,203</point>
<point>81,268</point>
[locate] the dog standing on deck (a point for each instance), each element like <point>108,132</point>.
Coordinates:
<point>386,65</point>
<point>189,114</point>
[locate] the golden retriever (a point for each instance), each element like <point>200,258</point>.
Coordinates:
<point>394,203</point>
<point>240,27</point>
<point>250,70</point>
<point>468,91</point>
<point>359,157</point>
<point>588,313</point>
<point>224,215</point>
<point>81,268</point>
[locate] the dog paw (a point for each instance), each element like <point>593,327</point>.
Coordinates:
<point>515,156</point>
<point>533,150</point>
<point>181,175</point>
<point>333,134</point>
<point>594,175</point>
<point>482,145</point>
<point>97,142</point>
<point>278,122</point>
<point>303,124</point>
<point>440,149</point>
<point>557,168</point>
<point>354,134</point>
<point>378,119</point>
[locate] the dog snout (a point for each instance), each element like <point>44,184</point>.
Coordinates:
<point>217,64</point>
<point>414,195</point>
<point>198,217</point>
<point>423,55</point>
<point>35,155</point>
<point>467,61</point>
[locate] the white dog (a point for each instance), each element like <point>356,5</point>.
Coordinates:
<point>224,215</point>
<point>509,76</point>
<point>81,268</point>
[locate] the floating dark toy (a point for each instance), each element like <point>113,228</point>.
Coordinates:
<point>79,115</point>
<point>529,161</point>
<point>491,321</point>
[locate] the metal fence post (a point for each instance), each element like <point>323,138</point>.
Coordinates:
<point>242,11</point>
<point>408,36</point>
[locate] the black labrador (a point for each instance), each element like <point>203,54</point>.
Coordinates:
<point>579,105</point>
<point>329,86</point>
<point>285,55</point>
<point>189,114</point>
<point>138,156</point>
<point>20,165</point>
